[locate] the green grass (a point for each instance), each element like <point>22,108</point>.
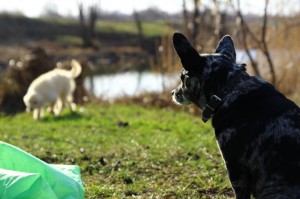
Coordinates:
<point>162,153</point>
<point>149,28</point>
<point>69,39</point>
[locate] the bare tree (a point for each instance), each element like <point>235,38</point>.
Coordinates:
<point>196,21</point>
<point>261,42</point>
<point>83,31</point>
<point>93,14</point>
<point>220,20</point>
<point>264,46</point>
<point>185,18</point>
<point>207,22</point>
<point>139,26</point>
<point>243,39</point>
<point>88,28</point>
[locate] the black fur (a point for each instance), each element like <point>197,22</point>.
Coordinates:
<point>257,128</point>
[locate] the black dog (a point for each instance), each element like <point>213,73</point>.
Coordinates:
<point>257,128</point>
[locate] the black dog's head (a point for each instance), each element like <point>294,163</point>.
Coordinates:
<point>204,75</point>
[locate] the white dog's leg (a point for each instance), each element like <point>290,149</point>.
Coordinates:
<point>73,106</point>
<point>36,114</point>
<point>58,107</point>
<point>51,108</point>
<point>42,112</point>
<point>70,103</point>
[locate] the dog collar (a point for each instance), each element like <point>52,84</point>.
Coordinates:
<point>210,108</point>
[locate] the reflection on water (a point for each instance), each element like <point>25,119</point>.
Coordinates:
<point>129,84</point>
<point>242,57</point>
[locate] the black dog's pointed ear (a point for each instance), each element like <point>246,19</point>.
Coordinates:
<point>226,47</point>
<point>190,58</point>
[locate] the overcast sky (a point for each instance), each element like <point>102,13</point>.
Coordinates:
<point>34,8</point>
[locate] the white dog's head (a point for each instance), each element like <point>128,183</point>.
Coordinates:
<point>32,101</point>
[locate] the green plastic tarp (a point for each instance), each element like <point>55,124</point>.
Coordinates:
<point>23,176</point>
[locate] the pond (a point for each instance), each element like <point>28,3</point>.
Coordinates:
<point>129,84</point>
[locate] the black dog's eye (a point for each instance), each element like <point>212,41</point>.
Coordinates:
<point>187,81</point>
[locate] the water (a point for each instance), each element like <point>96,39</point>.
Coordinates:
<point>242,57</point>
<point>130,84</point>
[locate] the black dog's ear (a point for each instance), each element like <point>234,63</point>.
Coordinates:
<point>190,58</point>
<point>226,47</point>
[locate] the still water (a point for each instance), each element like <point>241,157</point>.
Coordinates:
<point>129,84</point>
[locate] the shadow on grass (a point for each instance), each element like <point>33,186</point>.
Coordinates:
<point>63,117</point>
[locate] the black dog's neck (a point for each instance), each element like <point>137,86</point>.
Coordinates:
<point>233,81</point>
<point>216,97</point>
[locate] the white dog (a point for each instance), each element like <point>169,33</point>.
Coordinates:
<point>53,89</point>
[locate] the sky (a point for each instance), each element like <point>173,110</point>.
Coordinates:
<point>34,8</point>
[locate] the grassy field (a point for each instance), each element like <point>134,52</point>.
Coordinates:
<point>156,28</point>
<point>51,29</point>
<point>127,150</point>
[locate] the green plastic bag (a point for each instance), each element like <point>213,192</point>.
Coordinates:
<point>23,176</point>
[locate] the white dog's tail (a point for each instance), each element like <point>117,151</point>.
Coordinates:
<point>76,68</point>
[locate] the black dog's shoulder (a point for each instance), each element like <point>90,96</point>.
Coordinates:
<point>253,100</point>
